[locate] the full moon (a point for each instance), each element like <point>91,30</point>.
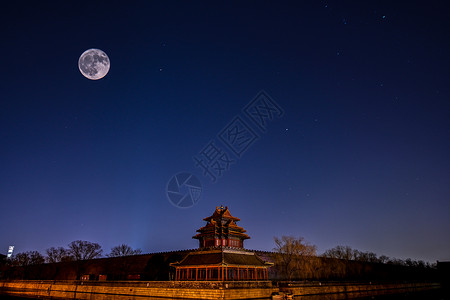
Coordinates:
<point>94,64</point>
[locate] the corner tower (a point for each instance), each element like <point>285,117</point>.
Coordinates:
<point>221,255</point>
<point>221,230</point>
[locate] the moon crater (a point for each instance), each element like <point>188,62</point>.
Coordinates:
<point>94,64</point>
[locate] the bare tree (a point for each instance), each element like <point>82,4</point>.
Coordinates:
<point>347,253</point>
<point>28,258</point>
<point>396,261</point>
<point>409,262</point>
<point>294,257</point>
<point>341,252</point>
<point>36,258</point>
<point>383,259</point>
<point>55,255</point>
<point>20,259</point>
<point>366,256</point>
<point>82,250</point>
<point>123,250</point>
<point>421,264</point>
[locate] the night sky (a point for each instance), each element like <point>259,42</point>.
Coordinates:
<point>357,155</point>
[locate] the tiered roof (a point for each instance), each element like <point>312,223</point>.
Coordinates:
<point>223,257</point>
<point>222,225</point>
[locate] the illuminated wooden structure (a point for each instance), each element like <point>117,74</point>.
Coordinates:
<point>221,255</point>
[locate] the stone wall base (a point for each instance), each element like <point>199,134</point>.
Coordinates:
<point>140,290</point>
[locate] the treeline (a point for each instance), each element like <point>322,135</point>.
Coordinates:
<point>297,259</point>
<point>293,258</point>
<point>347,253</point>
<point>153,266</point>
<point>76,251</point>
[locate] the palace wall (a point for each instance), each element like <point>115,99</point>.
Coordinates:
<point>155,267</point>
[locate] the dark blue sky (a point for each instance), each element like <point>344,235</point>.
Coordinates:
<point>360,156</point>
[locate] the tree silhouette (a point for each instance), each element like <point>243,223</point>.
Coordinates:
<point>295,257</point>
<point>123,250</point>
<point>55,255</point>
<point>82,250</point>
<point>28,258</point>
<point>340,252</point>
